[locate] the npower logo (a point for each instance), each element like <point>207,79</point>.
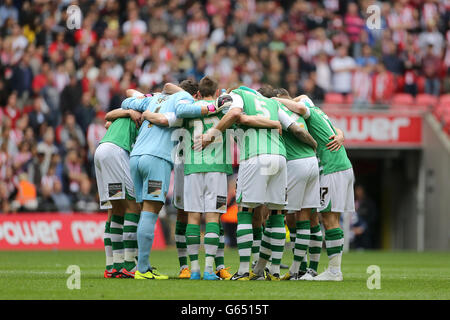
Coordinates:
<point>50,232</point>
<point>33,232</point>
<point>379,129</point>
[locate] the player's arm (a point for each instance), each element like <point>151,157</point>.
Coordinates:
<point>230,118</point>
<point>170,88</point>
<point>297,107</point>
<point>134,93</point>
<point>337,140</point>
<point>167,119</point>
<point>303,135</point>
<point>258,122</point>
<point>122,113</point>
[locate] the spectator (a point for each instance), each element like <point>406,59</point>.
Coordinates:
<point>8,11</point>
<point>391,59</point>
<point>60,199</point>
<point>71,130</point>
<point>71,95</point>
<point>47,147</point>
<point>312,90</point>
<point>383,85</point>
<point>431,65</point>
<point>342,66</point>
<point>362,86</point>
<point>26,199</point>
<point>37,116</point>
<point>85,201</point>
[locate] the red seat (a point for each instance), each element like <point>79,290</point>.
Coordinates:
<point>334,98</point>
<point>444,99</point>
<point>427,100</point>
<point>402,99</point>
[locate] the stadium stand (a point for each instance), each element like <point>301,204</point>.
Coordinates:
<point>57,82</point>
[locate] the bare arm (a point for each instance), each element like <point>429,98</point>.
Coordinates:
<point>231,117</point>
<point>134,93</point>
<point>259,122</point>
<point>297,107</point>
<point>337,140</point>
<point>171,88</point>
<point>122,113</point>
<point>302,135</point>
<point>156,118</point>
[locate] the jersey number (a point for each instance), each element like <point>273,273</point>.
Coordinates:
<point>260,108</point>
<point>197,124</point>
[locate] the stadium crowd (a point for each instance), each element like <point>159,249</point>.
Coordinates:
<point>57,83</point>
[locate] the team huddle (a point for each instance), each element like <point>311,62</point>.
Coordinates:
<point>292,167</point>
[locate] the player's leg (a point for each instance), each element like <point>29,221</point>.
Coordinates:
<point>108,246</point>
<point>244,235</point>
<point>250,191</point>
<point>315,248</point>
<point>276,201</point>
<point>212,235</point>
<point>193,243</point>
<point>290,222</point>
<point>154,176</point>
<point>182,218</point>
<point>257,222</point>
<point>337,193</point>
<point>104,205</point>
<point>301,240</point>
<point>180,241</point>
<point>221,270</point>
<point>215,186</point>
<point>116,231</point>
<point>131,221</point>
<point>194,205</point>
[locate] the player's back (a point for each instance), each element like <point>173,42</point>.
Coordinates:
<point>157,140</point>
<point>321,129</point>
<point>122,132</point>
<point>259,140</point>
<point>216,157</point>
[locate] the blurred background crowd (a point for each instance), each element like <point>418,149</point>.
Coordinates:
<point>57,83</point>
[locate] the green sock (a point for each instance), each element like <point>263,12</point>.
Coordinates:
<point>130,245</point>
<point>108,246</point>
<point>315,247</point>
<point>180,241</point>
<point>277,241</point>
<point>193,245</point>
<point>257,236</point>
<point>244,236</point>
<point>334,241</point>
<point>219,260</point>
<point>212,233</point>
<point>116,229</point>
<point>301,245</point>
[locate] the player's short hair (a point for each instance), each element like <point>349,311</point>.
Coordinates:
<point>267,91</point>
<point>282,93</point>
<point>207,86</point>
<point>189,85</point>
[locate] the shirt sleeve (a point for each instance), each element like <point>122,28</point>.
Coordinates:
<point>185,107</point>
<point>284,119</point>
<point>237,101</point>
<point>173,120</point>
<point>135,104</point>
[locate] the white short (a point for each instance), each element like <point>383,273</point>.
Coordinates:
<point>262,180</point>
<point>178,185</point>
<point>303,189</point>
<point>205,192</point>
<point>336,192</point>
<point>112,170</point>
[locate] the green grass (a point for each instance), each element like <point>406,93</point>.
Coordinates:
<point>41,275</point>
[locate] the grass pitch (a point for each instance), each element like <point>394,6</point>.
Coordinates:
<point>41,275</point>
